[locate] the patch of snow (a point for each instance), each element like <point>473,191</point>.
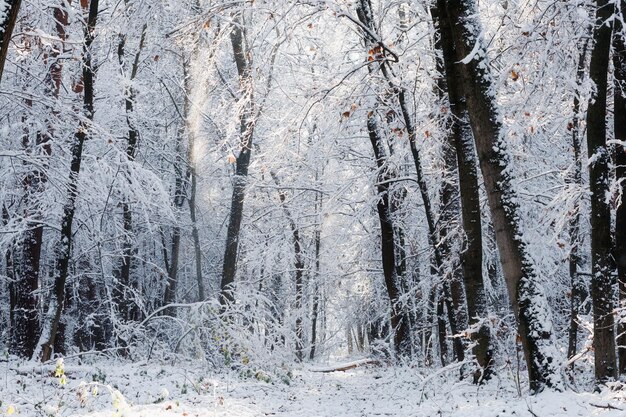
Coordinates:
<point>137,390</point>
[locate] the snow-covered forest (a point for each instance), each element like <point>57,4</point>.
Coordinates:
<point>312,207</point>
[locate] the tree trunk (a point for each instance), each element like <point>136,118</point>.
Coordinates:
<point>462,141</point>
<point>299,270</point>
<point>619,63</point>
<point>365,14</point>
<point>442,331</point>
<point>602,281</point>
<point>449,219</point>
<point>124,291</point>
<point>24,317</point>
<point>169,296</point>
<point>578,286</point>
<point>377,55</point>
<point>316,289</point>
<point>528,301</point>
<point>194,231</point>
<point>193,179</point>
<point>7,23</point>
<point>399,318</point>
<point>244,69</point>
<point>25,324</point>
<point>64,246</point>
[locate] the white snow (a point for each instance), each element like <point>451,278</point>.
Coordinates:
<point>137,390</point>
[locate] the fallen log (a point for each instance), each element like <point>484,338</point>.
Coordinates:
<point>347,366</point>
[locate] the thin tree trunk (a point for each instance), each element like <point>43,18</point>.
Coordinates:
<point>527,297</point>
<point>316,289</point>
<point>7,23</point>
<point>602,281</point>
<point>365,14</point>
<point>442,331</point>
<point>123,293</point>
<point>579,289</point>
<point>299,270</point>
<point>64,246</point>
<point>194,230</point>
<point>169,296</point>
<point>244,69</point>
<point>193,180</point>
<point>399,318</point>
<point>619,63</point>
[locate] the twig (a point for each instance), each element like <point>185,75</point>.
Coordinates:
<point>606,407</point>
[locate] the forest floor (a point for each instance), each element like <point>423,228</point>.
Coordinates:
<point>107,389</point>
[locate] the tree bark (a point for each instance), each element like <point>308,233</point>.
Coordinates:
<point>602,281</point>
<point>192,175</point>
<point>316,289</point>
<point>449,218</point>
<point>7,23</point>
<point>578,286</point>
<point>527,297</point>
<point>25,324</point>
<point>299,270</point>
<point>124,293</point>
<point>64,246</point>
<point>378,55</point>
<point>619,63</point>
<point>169,296</point>
<point>399,318</point>
<point>244,69</point>
<point>462,142</point>
<point>193,180</point>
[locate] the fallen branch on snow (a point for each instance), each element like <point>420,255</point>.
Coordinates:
<point>347,366</point>
<point>606,407</point>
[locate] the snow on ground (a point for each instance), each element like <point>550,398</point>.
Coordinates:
<point>104,389</point>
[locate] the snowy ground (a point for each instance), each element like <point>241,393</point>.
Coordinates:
<point>193,390</point>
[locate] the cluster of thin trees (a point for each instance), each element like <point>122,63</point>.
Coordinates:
<point>160,155</point>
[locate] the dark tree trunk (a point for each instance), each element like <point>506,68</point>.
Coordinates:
<point>528,301</point>
<point>449,219</point>
<point>195,233</point>
<point>453,279</point>
<point>124,291</point>
<point>27,256</point>
<point>64,246</point>
<point>24,318</point>
<point>579,289</point>
<point>365,14</point>
<point>299,269</point>
<point>26,322</point>
<point>244,69</point>
<point>399,318</point>
<point>316,289</point>
<point>442,331</point>
<point>619,63</point>
<point>169,296</point>
<point>7,23</point>
<point>9,271</point>
<point>602,281</point>
<point>462,142</point>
